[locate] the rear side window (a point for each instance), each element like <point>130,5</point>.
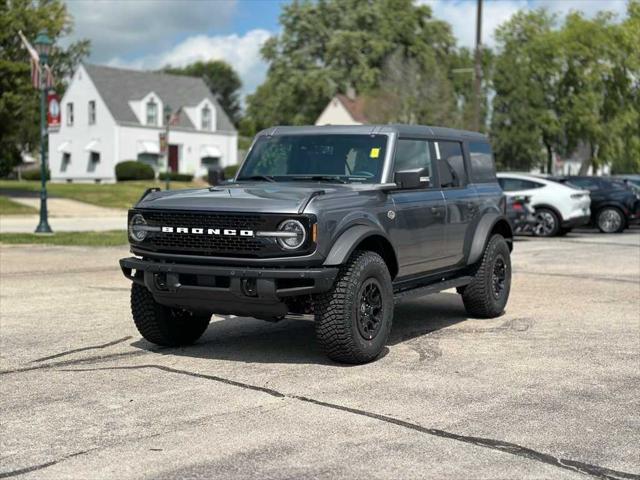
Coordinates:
<point>516,184</point>
<point>483,168</point>
<point>449,158</point>
<point>412,154</point>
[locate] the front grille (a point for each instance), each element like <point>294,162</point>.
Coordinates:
<point>215,245</point>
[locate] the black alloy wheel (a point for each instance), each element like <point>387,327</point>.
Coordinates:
<point>370,309</point>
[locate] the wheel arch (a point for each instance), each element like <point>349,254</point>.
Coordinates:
<point>552,208</point>
<point>490,224</point>
<point>363,237</point>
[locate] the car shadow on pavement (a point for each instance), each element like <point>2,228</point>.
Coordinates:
<point>248,340</point>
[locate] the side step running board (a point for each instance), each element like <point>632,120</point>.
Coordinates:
<point>431,288</point>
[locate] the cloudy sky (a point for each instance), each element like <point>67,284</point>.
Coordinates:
<point>148,34</point>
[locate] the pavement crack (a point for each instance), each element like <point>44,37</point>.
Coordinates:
<point>83,349</point>
<point>215,378</point>
<point>34,468</point>
<point>79,361</point>
<point>492,444</point>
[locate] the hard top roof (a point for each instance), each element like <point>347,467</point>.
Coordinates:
<point>421,131</point>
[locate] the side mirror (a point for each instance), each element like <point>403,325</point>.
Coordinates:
<point>408,179</point>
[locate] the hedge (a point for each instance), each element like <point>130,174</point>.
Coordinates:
<point>34,174</point>
<point>134,170</point>
<point>176,177</point>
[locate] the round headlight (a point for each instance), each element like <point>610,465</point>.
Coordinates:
<point>295,234</point>
<point>136,228</point>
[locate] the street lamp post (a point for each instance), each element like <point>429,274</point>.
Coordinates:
<point>43,46</point>
<point>167,122</point>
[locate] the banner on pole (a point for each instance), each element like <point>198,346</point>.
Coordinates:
<point>53,111</point>
<point>163,143</point>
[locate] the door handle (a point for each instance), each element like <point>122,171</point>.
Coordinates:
<point>437,211</point>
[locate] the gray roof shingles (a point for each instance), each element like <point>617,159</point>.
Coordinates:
<point>118,87</point>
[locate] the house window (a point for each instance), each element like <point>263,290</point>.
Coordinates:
<point>94,160</point>
<point>92,112</point>
<point>152,112</point>
<point>66,160</point>
<point>206,118</point>
<point>69,114</point>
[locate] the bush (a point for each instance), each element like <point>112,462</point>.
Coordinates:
<point>34,174</point>
<point>134,170</point>
<point>230,171</point>
<point>176,177</point>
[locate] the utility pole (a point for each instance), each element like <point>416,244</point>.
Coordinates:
<point>167,123</point>
<point>478,67</point>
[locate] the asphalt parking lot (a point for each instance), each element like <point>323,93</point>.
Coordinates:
<point>549,390</point>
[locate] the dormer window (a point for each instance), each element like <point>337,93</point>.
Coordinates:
<point>152,112</point>
<point>206,118</point>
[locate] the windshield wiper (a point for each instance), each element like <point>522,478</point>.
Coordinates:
<point>268,178</point>
<point>318,178</point>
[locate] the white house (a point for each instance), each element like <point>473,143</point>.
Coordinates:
<point>343,110</point>
<point>110,115</point>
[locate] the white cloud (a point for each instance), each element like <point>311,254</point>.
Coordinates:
<point>138,27</point>
<point>241,52</point>
<point>461,14</point>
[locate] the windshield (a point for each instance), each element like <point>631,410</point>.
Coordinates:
<point>332,158</point>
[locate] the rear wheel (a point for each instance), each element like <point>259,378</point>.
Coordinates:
<point>162,325</point>
<point>353,319</point>
<point>486,296</point>
<point>610,220</point>
<point>547,223</point>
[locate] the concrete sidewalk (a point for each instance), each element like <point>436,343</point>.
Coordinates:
<point>65,215</point>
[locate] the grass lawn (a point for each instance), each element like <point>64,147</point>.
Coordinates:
<point>9,207</point>
<point>115,195</point>
<point>93,239</point>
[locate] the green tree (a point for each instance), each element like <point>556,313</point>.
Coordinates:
<point>328,46</point>
<point>19,107</point>
<point>525,76</point>
<point>222,80</point>
<point>560,87</point>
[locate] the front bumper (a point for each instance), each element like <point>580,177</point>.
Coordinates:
<point>257,292</point>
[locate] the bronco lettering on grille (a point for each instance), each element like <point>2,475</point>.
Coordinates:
<point>229,232</point>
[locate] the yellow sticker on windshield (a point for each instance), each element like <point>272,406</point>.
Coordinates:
<point>375,153</point>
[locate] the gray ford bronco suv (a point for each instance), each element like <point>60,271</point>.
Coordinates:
<point>340,222</point>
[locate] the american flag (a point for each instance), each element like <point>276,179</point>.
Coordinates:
<point>35,65</point>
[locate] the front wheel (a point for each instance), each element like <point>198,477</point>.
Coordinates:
<point>353,319</point>
<point>487,294</point>
<point>610,220</point>
<point>162,325</point>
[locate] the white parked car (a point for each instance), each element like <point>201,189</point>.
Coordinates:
<point>558,208</point>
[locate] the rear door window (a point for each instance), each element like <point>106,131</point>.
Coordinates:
<point>483,169</point>
<point>449,156</point>
<point>516,184</point>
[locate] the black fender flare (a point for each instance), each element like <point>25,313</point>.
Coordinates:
<point>482,233</point>
<point>348,240</point>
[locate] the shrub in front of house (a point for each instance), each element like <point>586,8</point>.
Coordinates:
<point>133,170</point>
<point>33,174</point>
<point>176,177</point>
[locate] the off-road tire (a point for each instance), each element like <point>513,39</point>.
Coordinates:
<point>553,230</point>
<point>337,311</point>
<point>613,211</point>
<point>479,297</point>
<point>163,325</point>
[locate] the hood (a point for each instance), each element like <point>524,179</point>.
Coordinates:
<point>259,197</point>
